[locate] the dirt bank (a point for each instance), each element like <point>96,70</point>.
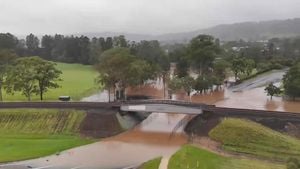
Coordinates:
<point>103,123</point>
<point>202,124</point>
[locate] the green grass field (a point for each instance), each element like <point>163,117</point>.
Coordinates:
<point>190,157</point>
<point>152,164</point>
<point>78,81</point>
<point>248,137</point>
<point>32,133</point>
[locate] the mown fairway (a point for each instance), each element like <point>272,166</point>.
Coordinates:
<point>77,81</point>
<point>248,137</point>
<point>192,157</point>
<point>31,133</point>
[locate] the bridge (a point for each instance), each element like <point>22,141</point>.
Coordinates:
<point>161,106</point>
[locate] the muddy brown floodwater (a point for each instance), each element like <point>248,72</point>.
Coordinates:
<point>153,138</point>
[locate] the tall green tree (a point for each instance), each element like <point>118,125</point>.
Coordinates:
<point>187,84</point>
<point>202,51</point>
<point>21,78</point>
<point>291,81</point>
<point>8,41</point>
<point>32,43</point>
<point>238,66</point>
<point>46,74</point>
<point>6,58</point>
<point>48,44</point>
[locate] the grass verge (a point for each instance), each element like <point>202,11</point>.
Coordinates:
<point>32,133</point>
<point>195,158</point>
<point>152,164</point>
<point>245,136</point>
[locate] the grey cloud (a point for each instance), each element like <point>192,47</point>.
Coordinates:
<point>135,16</point>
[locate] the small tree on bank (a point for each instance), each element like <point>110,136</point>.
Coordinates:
<point>272,90</point>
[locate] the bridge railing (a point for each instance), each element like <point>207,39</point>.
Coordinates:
<point>172,102</point>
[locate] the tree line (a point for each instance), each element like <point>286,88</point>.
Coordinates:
<point>122,63</point>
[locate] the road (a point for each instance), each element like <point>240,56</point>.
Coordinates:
<point>261,80</point>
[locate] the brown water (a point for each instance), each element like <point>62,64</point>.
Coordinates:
<point>248,99</point>
<point>152,138</point>
<point>148,140</point>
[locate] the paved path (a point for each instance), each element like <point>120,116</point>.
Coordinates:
<point>164,162</point>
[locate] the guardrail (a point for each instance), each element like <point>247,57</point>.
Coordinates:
<point>73,105</point>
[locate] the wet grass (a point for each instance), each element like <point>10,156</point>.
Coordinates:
<point>195,158</point>
<point>32,133</point>
<point>244,136</point>
<point>78,81</point>
<point>152,164</point>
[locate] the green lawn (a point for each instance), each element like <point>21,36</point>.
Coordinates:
<point>248,137</point>
<point>78,81</point>
<point>152,164</point>
<point>190,157</point>
<point>32,133</point>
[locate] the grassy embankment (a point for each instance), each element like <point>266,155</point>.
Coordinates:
<point>248,137</point>
<point>195,158</point>
<point>32,133</point>
<point>242,136</point>
<point>77,81</point>
<point>152,164</point>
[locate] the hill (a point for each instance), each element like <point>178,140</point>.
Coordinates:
<point>253,31</point>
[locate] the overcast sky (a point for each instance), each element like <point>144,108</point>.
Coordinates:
<point>135,16</point>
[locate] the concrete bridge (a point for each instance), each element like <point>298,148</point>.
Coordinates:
<point>161,106</point>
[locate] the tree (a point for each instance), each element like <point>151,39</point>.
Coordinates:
<point>203,83</point>
<point>8,41</point>
<point>6,58</point>
<point>106,82</point>
<point>238,66</point>
<point>47,45</point>
<point>219,68</point>
<point>202,51</point>
<point>108,43</point>
<point>175,84</point>
<point>120,41</point>
<point>32,75</point>
<point>46,75</point>
<point>272,90</point>
<point>21,78</point>
<point>187,84</point>
<point>119,67</point>
<point>291,81</point>
<point>32,43</point>
<point>250,64</point>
